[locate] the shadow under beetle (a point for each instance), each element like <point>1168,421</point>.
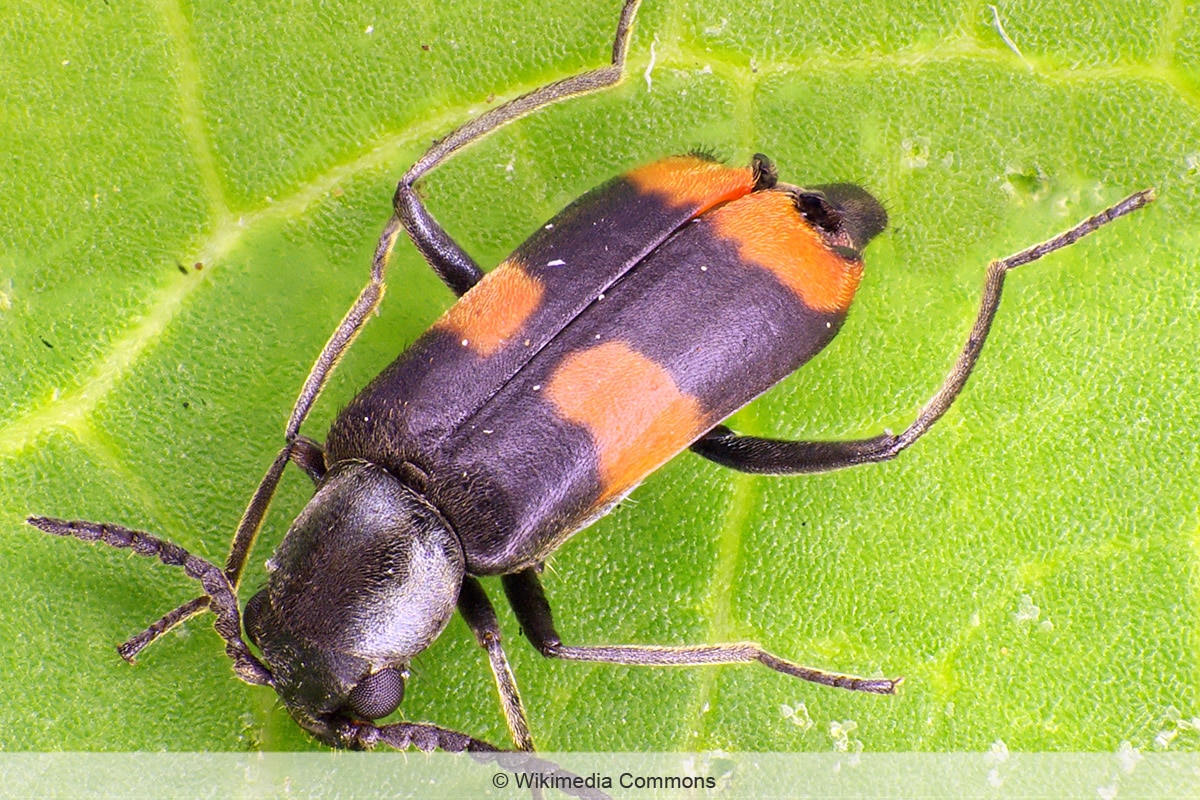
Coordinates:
<point>622,332</point>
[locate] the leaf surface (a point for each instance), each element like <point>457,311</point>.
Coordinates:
<point>193,194</point>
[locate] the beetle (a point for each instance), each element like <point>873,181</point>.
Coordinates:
<point>621,333</point>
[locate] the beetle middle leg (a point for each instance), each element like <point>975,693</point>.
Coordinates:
<point>528,600</point>
<point>477,610</point>
<point>783,457</point>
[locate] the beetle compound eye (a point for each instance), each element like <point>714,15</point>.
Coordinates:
<point>377,695</point>
<point>815,208</point>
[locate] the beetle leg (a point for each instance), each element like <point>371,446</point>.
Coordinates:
<point>781,457</point>
<point>451,263</point>
<point>304,452</point>
<point>529,603</point>
<point>477,610</point>
<point>221,594</point>
<point>308,455</point>
<point>574,86</point>
<point>130,648</point>
<point>351,735</point>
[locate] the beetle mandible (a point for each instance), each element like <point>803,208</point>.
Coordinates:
<point>621,333</point>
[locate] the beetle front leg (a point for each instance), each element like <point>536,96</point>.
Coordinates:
<point>529,603</point>
<point>221,595</point>
<point>782,457</point>
<point>427,738</point>
<point>300,449</point>
<point>351,735</point>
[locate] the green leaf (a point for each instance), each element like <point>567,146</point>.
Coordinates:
<point>192,193</point>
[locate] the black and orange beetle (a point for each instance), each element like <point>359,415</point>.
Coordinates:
<point>621,333</point>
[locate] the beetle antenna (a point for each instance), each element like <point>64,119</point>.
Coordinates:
<point>221,597</point>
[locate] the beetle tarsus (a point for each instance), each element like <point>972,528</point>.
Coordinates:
<point>1090,225</point>
<point>851,683</point>
<point>403,735</point>
<point>130,648</point>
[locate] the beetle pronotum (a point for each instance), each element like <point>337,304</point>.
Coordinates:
<point>536,403</point>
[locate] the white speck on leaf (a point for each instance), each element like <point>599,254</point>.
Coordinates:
<point>915,152</point>
<point>798,716</point>
<point>650,66</point>
<point>1004,35</point>
<point>1026,610</point>
<point>840,733</point>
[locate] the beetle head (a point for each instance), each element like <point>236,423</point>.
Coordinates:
<point>365,579</point>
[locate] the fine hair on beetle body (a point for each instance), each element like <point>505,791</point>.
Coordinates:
<point>622,332</point>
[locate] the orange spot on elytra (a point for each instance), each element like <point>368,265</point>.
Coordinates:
<point>690,181</point>
<point>637,416</point>
<point>495,309</point>
<point>770,233</point>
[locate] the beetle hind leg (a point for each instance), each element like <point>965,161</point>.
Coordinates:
<point>783,457</point>
<point>529,603</point>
